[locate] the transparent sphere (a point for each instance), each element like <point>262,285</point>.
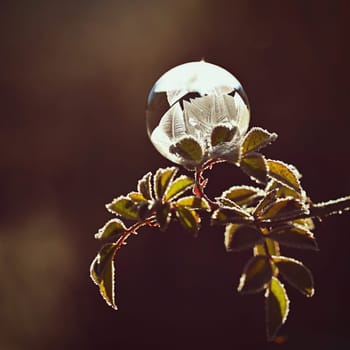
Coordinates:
<point>195,112</point>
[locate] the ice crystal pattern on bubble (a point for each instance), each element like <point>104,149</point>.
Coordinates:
<point>207,114</point>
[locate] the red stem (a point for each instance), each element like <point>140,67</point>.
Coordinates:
<point>201,182</point>
<point>131,230</point>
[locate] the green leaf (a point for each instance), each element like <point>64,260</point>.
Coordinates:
<point>189,219</point>
<point>162,179</point>
<point>137,197</point>
<point>265,202</point>
<point>193,202</point>
<point>112,228</point>
<point>272,248</point>
<point>307,223</point>
<point>231,205</point>
<point>296,274</point>
<point>124,207</point>
<point>222,134</point>
<point>178,187</point>
<point>107,284</point>
<point>295,236</point>
<point>102,273</point>
<point>259,249</point>
<point>228,203</point>
<point>254,165</point>
<point>99,263</point>
<point>284,191</point>
<point>242,195</point>
<point>232,214</point>
<point>189,149</point>
<point>240,237</point>
<point>163,214</point>
<point>284,208</point>
<point>144,186</point>
<point>277,307</point>
<point>284,173</point>
<point>256,275</point>
<point>256,139</point>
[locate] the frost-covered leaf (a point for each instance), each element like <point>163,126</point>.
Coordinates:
<point>283,208</point>
<point>124,207</point>
<point>222,134</point>
<point>225,215</point>
<point>265,202</point>
<point>242,195</point>
<point>227,203</point>
<point>107,284</point>
<point>162,179</point>
<point>307,223</point>
<point>102,273</point>
<point>240,237</point>
<point>296,274</point>
<point>193,202</point>
<point>259,249</point>
<point>284,191</point>
<point>254,165</point>
<point>137,197</point>
<point>189,149</point>
<point>189,219</point>
<point>178,187</point>
<point>234,207</point>
<point>256,275</point>
<point>272,248</point>
<point>144,186</point>
<point>112,228</point>
<point>294,235</point>
<point>276,307</point>
<point>256,139</point>
<point>284,173</point>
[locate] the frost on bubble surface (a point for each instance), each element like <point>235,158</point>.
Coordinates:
<point>195,112</point>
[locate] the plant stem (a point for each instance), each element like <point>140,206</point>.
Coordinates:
<point>332,207</point>
<point>201,182</point>
<point>131,230</point>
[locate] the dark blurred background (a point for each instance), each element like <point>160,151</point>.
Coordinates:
<point>74,78</point>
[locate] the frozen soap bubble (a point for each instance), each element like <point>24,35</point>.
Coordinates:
<point>197,111</point>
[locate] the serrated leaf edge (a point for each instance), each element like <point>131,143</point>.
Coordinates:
<point>303,208</point>
<point>271,337</point>
<point>272,234</point>
<point>98,282</point>
<point>242,280</point>
<point>108,206</point>
<point>157,177</point>
<point>258,191</point>
<point>284,258</point>
<point>292,169</point>
<point>270,137</point>
<point>178,194</point>
<point>146,178</point>
<point>100,232</point>
<point>227,240</point>
<point>244,168</point>
<point>205,207</point>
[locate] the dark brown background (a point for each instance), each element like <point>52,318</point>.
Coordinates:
<point>73,84</point>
